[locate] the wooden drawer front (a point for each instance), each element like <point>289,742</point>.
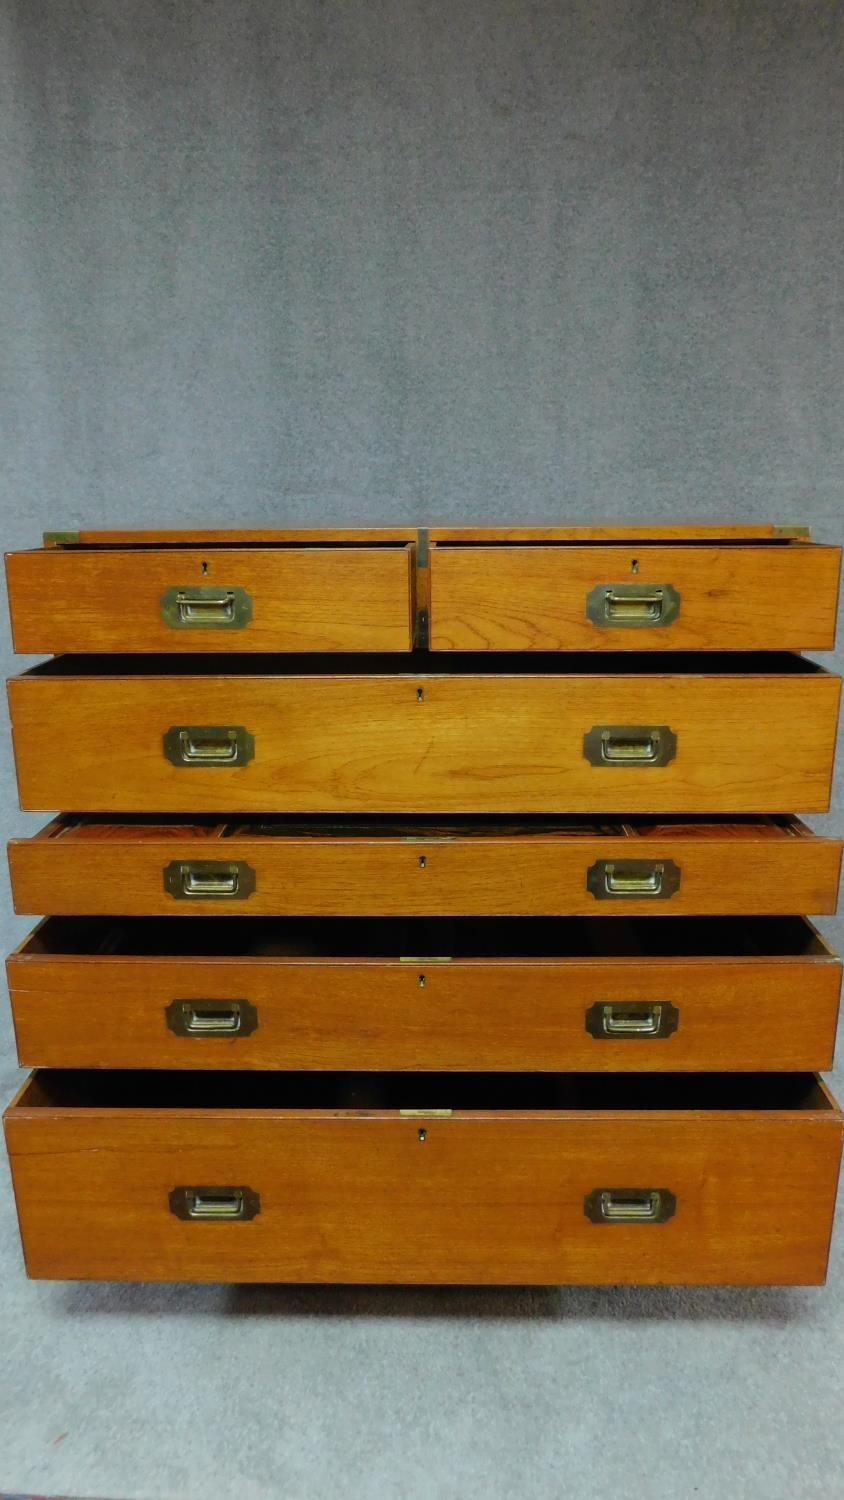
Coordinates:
<point>217,600</point>
<point>87,867</point>
<point>461,743</point>
<point>749,996</point>
<point>650,598</point>
<point>485,1196</point>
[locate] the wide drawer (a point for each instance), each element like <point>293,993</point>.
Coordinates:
<point>279,1178</point>
<point>721,597</point>
<point>214,599</point>
<point>389,994</point>
<point>678,734</point>
<point>380,866</point>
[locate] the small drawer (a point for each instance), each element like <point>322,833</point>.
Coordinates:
<point>188,600</point>
<point>679,734</point>
<point>772,596</point>
<point>280,1178</point>
<point>382,866</point>
<point>533,995</point>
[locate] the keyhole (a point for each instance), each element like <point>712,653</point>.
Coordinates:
<point>204,567</point>
<point>422,861</point>
<point>422,1134</point>
<point>421,981</point>
<point>634,565</point>
<point>420,694</point>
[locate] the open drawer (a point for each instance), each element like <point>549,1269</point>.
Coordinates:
<point>151,1177</point>
<point>538,994</point>
<point>331,591</point>
<point>381,866</point>
<point>715,594</point>
<point>678,734</point>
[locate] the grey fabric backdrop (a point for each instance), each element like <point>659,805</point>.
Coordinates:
<point>418,260</point>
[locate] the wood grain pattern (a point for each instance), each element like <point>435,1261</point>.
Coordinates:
<point>304,599</point>
<point>117,869</point>
<point>485,1198</point>
<point>731,598</point>
<point>485,743</point>
<point>485,1015</point>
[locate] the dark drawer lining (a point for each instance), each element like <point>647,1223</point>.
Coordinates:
<point>353,1092</point>
<point>449,664</point>
<point>513,938</point>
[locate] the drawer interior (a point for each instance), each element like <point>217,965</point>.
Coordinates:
<point>150,827</point>
<point>458,663</point>
<point>392,938</point>
<point>268,538</point>
<point>334,1093</point>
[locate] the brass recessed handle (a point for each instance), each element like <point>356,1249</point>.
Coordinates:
<point>608,1019</point>
<point>629,1205</point>
<point>633,879</point>
<point>203,607</point>
<point>632,605</point>
<point>208,745</point>
<point>215,1205</point>
<point>630,745</point>
<point>209,880</point>
<point>210,1018</point>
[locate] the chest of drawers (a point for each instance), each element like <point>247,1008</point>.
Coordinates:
<point>427,905</point>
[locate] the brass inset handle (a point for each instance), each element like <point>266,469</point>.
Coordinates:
<point>629,745</point>
<point>208,745</point>
<point>201,607</point>
<point>629,606</point>
<point>609,1019</point>
<point>215,1205</point>
<point>209,880</point>
<point>629,1205</point>
<point>633,879</point>
<point>209,1018</point>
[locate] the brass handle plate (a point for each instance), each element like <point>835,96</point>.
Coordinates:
<point>633,879</point>
<point>629,745</point>
<point>209,880</point>
<point>210,1018</point>
<point>208,745</point>
<point>629,1205</point>
<point>630,606</point>
<point>215,1205</point>
<point>608,1020</point>
<point>206,608</point>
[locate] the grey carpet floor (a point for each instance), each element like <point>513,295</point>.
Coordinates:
<point>205,1393</point>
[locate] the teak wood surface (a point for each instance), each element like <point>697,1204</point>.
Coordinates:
<point>481,1197</point>
<point>755,1013</point>
<point>731,597</point>
<point>79,868</point>
<point>761,742</point>
<point>354,1192</point>
<point>305,599</point>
